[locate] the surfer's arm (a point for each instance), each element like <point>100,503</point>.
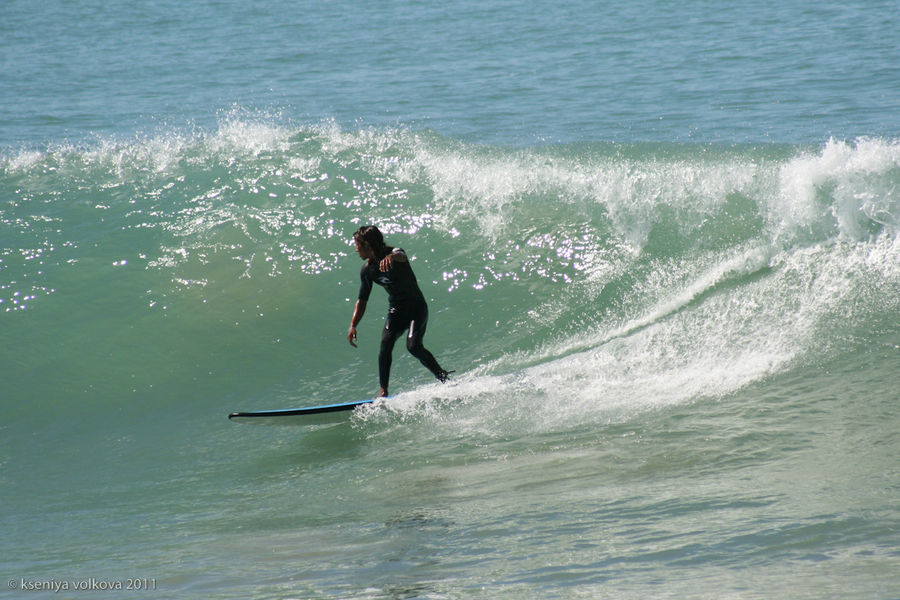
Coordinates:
<point>397,254</point>
<point>358,311</point>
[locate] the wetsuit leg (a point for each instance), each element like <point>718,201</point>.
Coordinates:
<point>398,320</point>
<point>394,325</point>
<point>414,344</point>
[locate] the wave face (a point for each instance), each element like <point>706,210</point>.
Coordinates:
<point>688,331</point>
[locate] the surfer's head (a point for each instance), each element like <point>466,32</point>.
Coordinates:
<point>369,235</point>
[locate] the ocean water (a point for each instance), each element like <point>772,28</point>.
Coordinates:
<point>660,246</point>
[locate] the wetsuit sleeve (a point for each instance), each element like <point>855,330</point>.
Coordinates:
<point>365,285</point>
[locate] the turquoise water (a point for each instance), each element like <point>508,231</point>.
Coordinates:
<point>660,247</point>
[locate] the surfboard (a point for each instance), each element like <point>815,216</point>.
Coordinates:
<point>311,415</point>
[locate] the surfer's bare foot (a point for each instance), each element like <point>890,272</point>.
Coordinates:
<point>383,393</point>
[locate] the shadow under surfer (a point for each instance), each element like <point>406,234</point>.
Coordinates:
<point>389,267</point>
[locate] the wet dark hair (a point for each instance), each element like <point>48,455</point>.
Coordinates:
<point>371,235</point>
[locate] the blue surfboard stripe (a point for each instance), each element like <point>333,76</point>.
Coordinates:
<point>299,412</point>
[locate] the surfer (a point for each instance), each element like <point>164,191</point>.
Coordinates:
<point>389,267</point>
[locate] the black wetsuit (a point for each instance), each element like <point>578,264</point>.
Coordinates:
<point>407,310</point>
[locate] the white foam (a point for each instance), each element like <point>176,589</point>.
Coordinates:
<point>840,191</point>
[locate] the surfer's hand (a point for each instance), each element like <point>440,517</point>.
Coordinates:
<point>351,336</point>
